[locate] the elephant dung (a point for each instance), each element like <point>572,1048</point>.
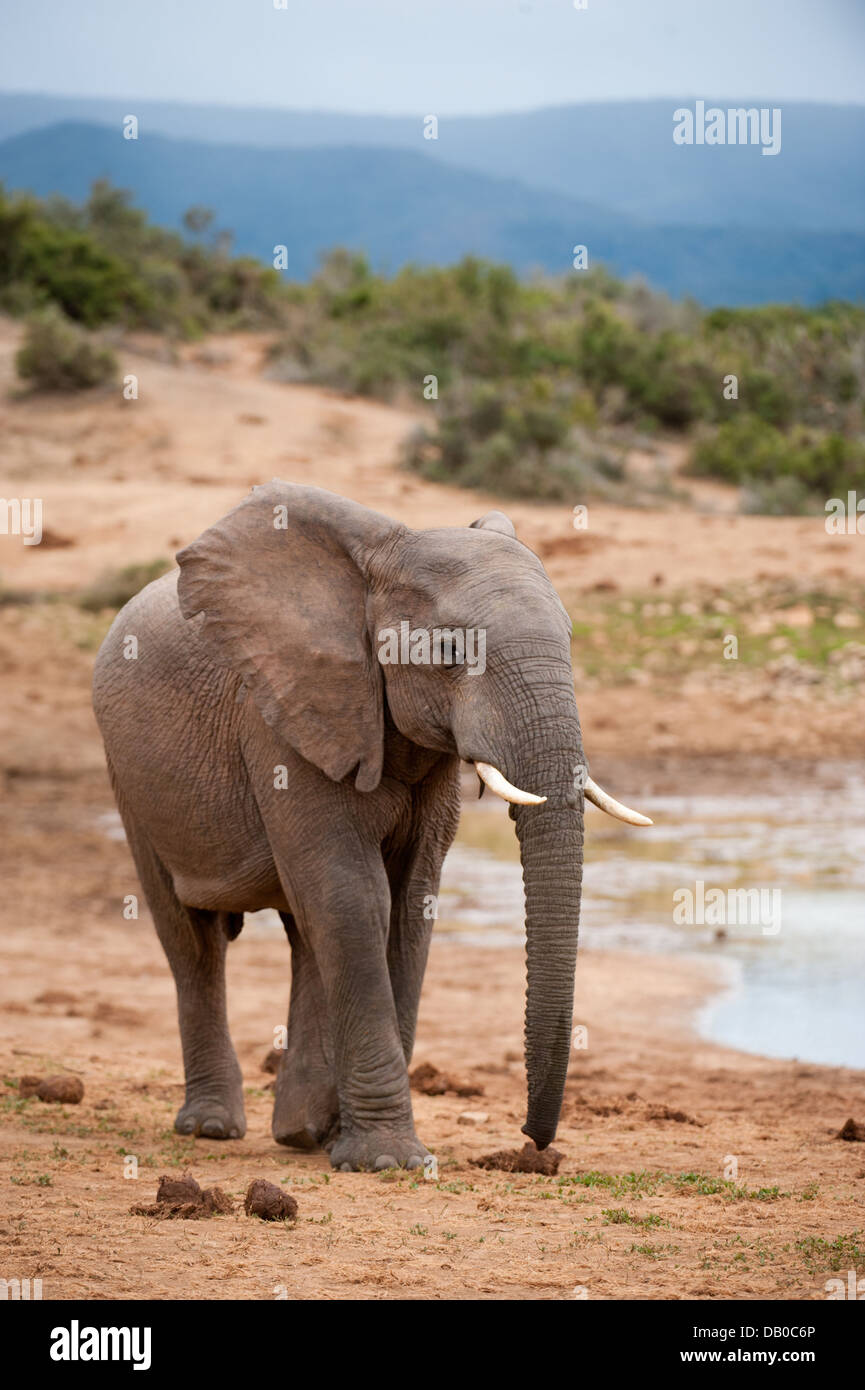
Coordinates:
<point>183,1199</point>
<point>852,1132</point>
<point>268,1201</point>
<point>528,1159</point>
<point>57,1090</point>
<point>177,1191</point>
<point>271,1062</point>
<point>431,1082</point>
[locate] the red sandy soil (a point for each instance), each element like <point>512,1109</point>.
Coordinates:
<point>86,992</point>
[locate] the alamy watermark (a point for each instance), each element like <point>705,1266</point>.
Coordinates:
<point>845,518</point>
<point>717,907</point>
<point>22,516</point>
<point>437,646</point>
<point>19,1290</point>
<point>77,1343</point>
<point>737,125</point>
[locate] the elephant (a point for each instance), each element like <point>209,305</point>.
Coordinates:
<point>264,754</point>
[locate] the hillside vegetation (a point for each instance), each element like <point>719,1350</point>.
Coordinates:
<point>533,387</point>
<point>538,386</point>
<point>104,262</point>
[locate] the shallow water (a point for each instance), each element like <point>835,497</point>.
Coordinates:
<point>791,987</point>
<point>793,974</point>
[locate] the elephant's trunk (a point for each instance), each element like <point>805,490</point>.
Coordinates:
<point>551,850</point>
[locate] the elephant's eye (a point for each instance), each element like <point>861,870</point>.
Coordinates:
<point>447,649</point>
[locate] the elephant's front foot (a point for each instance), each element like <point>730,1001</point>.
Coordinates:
<point>360,1151</point>
<point>212,1117</point>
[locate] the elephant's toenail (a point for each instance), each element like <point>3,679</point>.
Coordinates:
<point>345,1167</point>
<point>384,1161</point>
<point>415,1161</point>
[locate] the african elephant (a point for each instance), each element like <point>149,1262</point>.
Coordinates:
<point>265,755</point>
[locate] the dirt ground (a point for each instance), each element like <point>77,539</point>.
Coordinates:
<point>688,1170</point>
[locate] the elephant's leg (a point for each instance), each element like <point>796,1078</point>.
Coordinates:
<point>195,943</point>
<point>411,928</point>
<point>341,906</point>
<point>306,1107</point>
<point>414,870</point>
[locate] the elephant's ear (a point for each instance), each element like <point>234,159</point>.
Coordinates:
<point>282,584</point>
<point>495,521</point>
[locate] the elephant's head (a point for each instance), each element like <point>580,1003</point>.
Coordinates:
<point>336,616</point>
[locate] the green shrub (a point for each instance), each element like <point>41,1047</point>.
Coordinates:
<point>58,355</point>
<point>105,263</point>
<point>748,450</point>
<point>661,376</point>
<point>514,438</point>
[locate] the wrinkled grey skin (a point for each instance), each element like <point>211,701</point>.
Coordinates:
<point>261,655</point>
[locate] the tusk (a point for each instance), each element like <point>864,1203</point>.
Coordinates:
<point>608,803</point>
<point>502,787</point>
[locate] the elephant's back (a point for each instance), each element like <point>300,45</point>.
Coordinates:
<point>141,631</point>
<point>151,667</point>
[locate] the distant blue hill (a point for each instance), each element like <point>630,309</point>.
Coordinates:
<point>399,206</point>
<point>619,154</point>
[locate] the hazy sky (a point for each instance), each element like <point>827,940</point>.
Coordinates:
<point>444,56</point>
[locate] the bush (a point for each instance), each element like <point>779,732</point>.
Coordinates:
<point>784,496</point>
<point>516,439</point>
<point>105,263</point>
<point>748,450</point>
<point>57,355</point>
<point>662,377</point>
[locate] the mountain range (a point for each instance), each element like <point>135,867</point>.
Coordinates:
<point>723,224</point>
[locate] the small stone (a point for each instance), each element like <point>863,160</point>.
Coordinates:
<point>268,1201</point>
<point>854,1133</point>
<point>473,1117</point>
<point>799,615</point>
